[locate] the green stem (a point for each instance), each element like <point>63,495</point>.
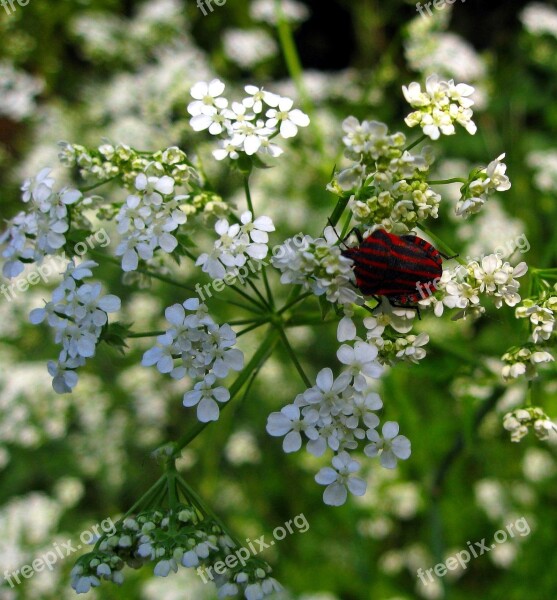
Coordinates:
<point>146,334</point>
<point>260,306</point>
<point>93,187</point>
<point>257,360</point>
<point>294,302</point>
<point>442,246</point>
<point>447,181</point>
<point>295,70</point>
<point>245,322</point>
<point>269,302</point>
<point>268,288</point>
<point>415,143</point>
<point>263,302</point>
<point>248,196</point>
<point>338,210</point>
<point>291,56</point>
<point>256,325</point>
<point>205,508</point>
<point>144,501</point>
<point>292,355</point>
<point>346,226</point>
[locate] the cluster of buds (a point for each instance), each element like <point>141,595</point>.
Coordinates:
<point>386,185</point>
<point>520,421</point>
<point>167,539</point>
<point>120,161</point>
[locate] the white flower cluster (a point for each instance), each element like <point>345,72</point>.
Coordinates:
<point>318,265</point>
<point>77,314</point>
<point>108,161</point>
<point>388,331</point>
<point>519,422</point>
<point>387,183</point>
<point>485,182</point>
<point>246,126</point>
<point>461,288</point>
<point>339,414</point>
<point>40,230</point>
<point>237,243</point>
<point>168,540</point>
<point>439,106</point>
<point>524,361</point>
<point>203,350</point>
<point>541,314</point>
<point>148,219</point>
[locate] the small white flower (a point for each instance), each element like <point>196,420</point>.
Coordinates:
<point>258,97</point>
<point>390,446</point>
<point>204,395</point>
<point>207,98</point>
<point>440,105</point>
<point>360,359</point>
<point>288,119</point>
<point>339,480</point>
<point>288,422</point>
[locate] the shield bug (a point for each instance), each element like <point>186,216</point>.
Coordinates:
<point>397,267</point>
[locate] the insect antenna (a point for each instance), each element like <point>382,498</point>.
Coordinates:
<point>341,241</point>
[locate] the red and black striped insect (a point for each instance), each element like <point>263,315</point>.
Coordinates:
<point>404,269</point>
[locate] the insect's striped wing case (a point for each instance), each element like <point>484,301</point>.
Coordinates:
<point>390,265</point>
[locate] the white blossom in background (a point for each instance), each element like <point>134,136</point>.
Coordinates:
<point>77,313</point>
<point>487,181</point>
<point>439,106</point>
<point>248,48</point>
<point>18,91</point>
<point>246,126</point>
<point>148,219</point>
<point>237,243</point>
<point>196,347</point>
<point>265,11</point>
<point>544,165</point>
<point>318,265</point>
<point>41,230</point>
<point>539,18</point>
